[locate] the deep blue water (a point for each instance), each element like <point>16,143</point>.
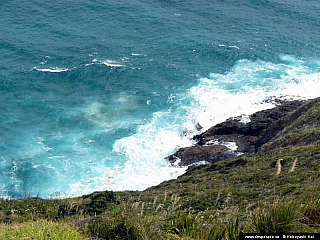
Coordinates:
<point>95,94</point>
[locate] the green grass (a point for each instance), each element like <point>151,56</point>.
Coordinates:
<point>43,230</point>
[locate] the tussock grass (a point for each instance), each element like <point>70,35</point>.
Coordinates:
<point>278,167</point>
<point>293,165</point>
<point>280,217</point>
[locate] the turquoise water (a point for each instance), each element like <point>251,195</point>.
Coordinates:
<point>95,94</point>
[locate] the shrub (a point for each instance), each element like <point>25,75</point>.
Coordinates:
<point>113,229</point>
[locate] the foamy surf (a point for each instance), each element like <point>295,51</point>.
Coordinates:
<point>111,63</point>
<point>106,62</point>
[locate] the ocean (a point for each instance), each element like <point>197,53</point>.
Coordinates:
<point>94,95</point>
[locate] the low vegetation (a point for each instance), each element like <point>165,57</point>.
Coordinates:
<point>39,230</point>
<point>259,193</point>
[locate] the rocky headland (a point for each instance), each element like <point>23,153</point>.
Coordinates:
<point>235,136</point>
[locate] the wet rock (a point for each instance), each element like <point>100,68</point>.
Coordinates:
<point>197,153</point>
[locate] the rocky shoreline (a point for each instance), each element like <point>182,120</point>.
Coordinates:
<point>235,136</point>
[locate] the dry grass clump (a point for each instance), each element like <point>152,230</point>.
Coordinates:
<point>278,167</point>
<point>293,165</point>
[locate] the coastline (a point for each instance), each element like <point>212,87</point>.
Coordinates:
<point>247,193</point>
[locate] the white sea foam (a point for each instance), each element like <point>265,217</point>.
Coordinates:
<point>107,62</point>
<point>213,104</point>
<point>145,152</point>
<point>212,142</point>
<point>53,70</point>
<point>111,63</point>
<point>231,145</point>
<point>244,119</point>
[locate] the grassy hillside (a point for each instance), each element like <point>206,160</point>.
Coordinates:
<point>256,193</point>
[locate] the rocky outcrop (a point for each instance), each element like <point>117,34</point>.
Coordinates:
<point>235,136</point>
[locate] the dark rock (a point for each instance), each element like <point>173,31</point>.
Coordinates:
<point>199,153</point>
<point>259,121</point>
